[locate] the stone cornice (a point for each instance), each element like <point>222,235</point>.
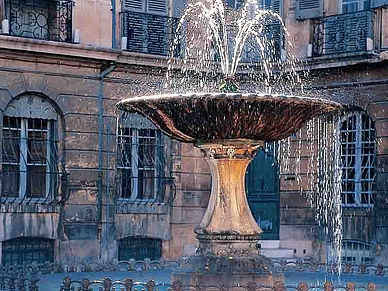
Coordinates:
<point>27,49</point>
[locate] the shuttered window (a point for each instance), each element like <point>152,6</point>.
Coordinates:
<point>147,6</point>
<point>307,9</point>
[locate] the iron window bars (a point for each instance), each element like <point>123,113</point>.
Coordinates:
<point>41,19</point>
<point>148,33</point>
<point>343,33</point>
<point>358,159</point>
<point>139,248</point>
<point>141,161</point>
<point>29,160</point>
<point>27,250</point>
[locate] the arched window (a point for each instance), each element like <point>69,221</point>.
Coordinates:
<point>139,248</point>
<point>358,150</point>
<point>140,159</point>
<point>29,154</point>
<point>26,250</point>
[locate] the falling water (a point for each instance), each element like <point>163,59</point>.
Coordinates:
<point>318,145</point>
<point>214,42</point>
<point>252,45</point>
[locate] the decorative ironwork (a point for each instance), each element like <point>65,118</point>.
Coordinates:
<point>41,19</point>
<point>141,163</point>
<point>148,33</point>
<point>128,284</point>
<point>343,33</point>
<point>18,283</point>
<point>26,250</point>
<point>29,270</point>
<point>30,170</point>
<point>139,248</point>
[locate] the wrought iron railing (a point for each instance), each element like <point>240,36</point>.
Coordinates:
<point>148,33</point>
<point>15,278</point>
<point>128,284</point>
<point>41,19</point>
<point>343,33</point>
<point>32,270</point>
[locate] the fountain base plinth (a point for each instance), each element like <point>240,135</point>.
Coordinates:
<point>227,245</point>
<point>212,270</point>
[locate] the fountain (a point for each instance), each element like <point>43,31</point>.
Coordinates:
<point>228,128</point>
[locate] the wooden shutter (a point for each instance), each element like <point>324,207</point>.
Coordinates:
<point>134,5</point>
<point>306,9</point>
<point>277,6</point>
<point>157,7</point>
<point>178,7</point>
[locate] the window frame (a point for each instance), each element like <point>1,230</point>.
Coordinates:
<point>140,123</point>
<point>358,155</point>
<point>147,244</point>
<point>361,5</point>
<point>20,247</point>
<point>30,107</point>
<point>24,165</point>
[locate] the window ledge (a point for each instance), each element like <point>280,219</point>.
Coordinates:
<point>20,207</point>
<point>127,206</point>
<point>357,205</point>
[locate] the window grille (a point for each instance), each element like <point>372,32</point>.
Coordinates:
<point>140,160</point>
<point>26,250</point>
<point>354,252</point>
<point>139,248</point>
<point>30,170</point>
<point>358,160</point>
<point>41,19</point>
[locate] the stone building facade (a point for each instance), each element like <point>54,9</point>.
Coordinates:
<point>81,181</point>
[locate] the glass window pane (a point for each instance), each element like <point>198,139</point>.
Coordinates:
<point>10,181</point>
<point>11,146</point>
<point>146,152</point>
<point>146,185</point>
<point>37,147</point>
<point>126,178</point>
<point>36,182</point>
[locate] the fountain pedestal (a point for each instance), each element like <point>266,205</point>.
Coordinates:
<point>229,128</point>
<point>228,233</point>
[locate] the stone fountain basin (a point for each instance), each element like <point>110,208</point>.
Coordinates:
<point>212,118</point>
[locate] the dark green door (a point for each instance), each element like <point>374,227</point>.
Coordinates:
<point>262,183</point>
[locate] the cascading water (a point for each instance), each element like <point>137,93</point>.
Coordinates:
<point>250,44</point>
<point>229,127</point>
<point>216,41</point>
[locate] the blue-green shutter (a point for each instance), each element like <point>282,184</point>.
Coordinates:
<point>307,9</point>
<point>178,7</point>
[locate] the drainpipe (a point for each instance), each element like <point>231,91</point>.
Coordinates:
<point>113,24</point>
<point>103,74</point>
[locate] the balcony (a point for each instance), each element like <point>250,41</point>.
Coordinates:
<point>40,19</point>
<point>148,33</point>
<point>349,33</point>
